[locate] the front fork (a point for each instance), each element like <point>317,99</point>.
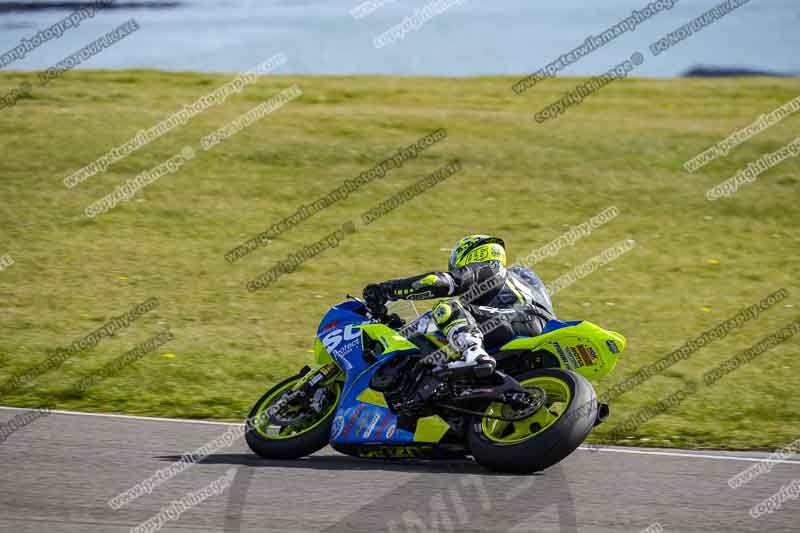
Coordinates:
<point>311,376</point>
<point>305,390</point>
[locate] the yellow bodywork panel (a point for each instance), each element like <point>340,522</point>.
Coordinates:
<point>430,429</point>
<point>388,337</point>
<point>585,348</point>
<point>372,397</point>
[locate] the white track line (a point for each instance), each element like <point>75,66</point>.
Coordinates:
<point>636,451</point>
<point>639,451</point>
<point>111,415</point>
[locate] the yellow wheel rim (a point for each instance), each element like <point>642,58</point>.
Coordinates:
<point>260,421</point>
<point>558,399</point>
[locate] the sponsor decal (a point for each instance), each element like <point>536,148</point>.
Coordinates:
<point>577,356</point>
<point>360,426</point>
<point>561,355</point>
<point>584,354</point>
<point>330,325</point>
<point>422,325</point>
<point>352,420</point>
<point>391,452</point>
<point>612,346</point>
<point>390,431</point>
<point>573,355</point>
<point>372,424</point>
<point>386,418</point>
<point>592,352</point>
<point>338,426</point>
<point>569,355</point>
<point>346,349</point>
<point>333,339</point>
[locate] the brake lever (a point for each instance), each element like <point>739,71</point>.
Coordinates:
<point>356,298</point>
<point>394,321</point>
<point>382,316</point>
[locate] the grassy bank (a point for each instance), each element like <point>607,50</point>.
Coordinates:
<point>695,264</point>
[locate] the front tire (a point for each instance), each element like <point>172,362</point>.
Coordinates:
<point>288,442</point>
<point>543,439</point>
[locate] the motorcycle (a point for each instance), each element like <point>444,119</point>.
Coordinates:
<point>379,389</point>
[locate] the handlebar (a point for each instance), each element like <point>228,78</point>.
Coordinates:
<point>381,314</point>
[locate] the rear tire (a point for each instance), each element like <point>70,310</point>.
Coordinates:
<point>550,446</point>
<point>303,444</point>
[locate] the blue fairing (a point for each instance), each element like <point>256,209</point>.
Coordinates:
<point>357,422</point>
<point>553,325</point>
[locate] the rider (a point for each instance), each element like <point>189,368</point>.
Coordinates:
<point>487,289</point>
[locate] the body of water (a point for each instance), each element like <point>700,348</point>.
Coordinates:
<point>468,38</point>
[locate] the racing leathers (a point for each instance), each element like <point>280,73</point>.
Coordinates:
<point>487,305</point>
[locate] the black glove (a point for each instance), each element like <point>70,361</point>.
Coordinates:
<point>394,321</point>
<point>375,296</point>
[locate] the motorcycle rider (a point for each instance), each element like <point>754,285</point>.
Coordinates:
<point>482,289</point>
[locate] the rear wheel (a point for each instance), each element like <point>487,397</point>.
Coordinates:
<point>277,429</point>
<point>544,438</point>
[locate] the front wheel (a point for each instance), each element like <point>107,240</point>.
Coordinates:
<point>277,429</point>
<point>544,438</point>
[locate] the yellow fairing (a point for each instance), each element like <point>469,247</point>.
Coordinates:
<point>321,354</point>
<point>372,397</point>
<point>430,429</point>
<point>391,340</point>
<point>585,348</point>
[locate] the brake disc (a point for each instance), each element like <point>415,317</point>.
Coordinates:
<point>535,398</point>
<point>278,412</point>
<point>320,399</point>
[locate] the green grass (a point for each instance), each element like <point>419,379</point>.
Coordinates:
<point>524,181</point>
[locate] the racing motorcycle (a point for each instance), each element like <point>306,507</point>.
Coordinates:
<point>380,389</point>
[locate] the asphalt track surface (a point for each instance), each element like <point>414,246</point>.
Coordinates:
<point>59,472</point>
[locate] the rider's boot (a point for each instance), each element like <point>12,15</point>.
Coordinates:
<point>463,334</point>
<point>473,355</point>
